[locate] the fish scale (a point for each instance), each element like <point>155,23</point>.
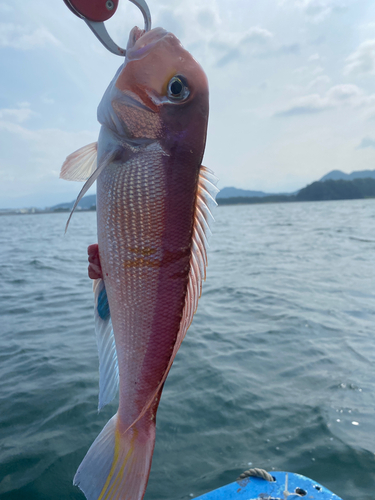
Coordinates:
<point>146,327</point>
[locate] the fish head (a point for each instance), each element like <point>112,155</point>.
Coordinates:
<point>161,92</point>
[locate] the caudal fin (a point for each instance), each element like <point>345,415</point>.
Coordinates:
<point>117,465</point>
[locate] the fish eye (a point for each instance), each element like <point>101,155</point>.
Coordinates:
<point>178,89</point>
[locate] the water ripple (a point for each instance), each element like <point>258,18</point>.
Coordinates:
<point>276,369</point>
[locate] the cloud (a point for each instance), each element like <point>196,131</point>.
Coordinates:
<point>319,81</point>
<point>230,56</point>
<point>362,61</point>
<point>18,115</point>
<point>366,142</point>
<point>344,93</point>
<point>233,46</point>
<point>257,35</point>
<point>304,105</point>
<point>25,38</point>
<point>32,157</point>
<point>167,18</point>
<point>301,70</point>
<point>292,48</point>
<point>200,22</point>
<point>317,70</point>
<point>315,10</point>
<point>256,42</point>
<point>207,17</point>
<point>318,10</point>
<point>49,147</point>
<point>335,97</point>
<point>47,100</point>
<point>314,57</point>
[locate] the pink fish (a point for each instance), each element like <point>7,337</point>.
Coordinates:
<point>153,214</point>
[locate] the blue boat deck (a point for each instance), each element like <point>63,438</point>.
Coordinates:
<point>287,486</point>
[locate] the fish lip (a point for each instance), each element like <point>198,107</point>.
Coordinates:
<point>141,42</point>
<point>134,36</point>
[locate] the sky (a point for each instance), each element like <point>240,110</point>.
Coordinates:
<point>292,89</point>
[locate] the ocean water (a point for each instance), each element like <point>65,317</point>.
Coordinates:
<point>276,371</point>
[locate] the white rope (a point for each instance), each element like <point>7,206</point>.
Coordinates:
<point>256,473</point>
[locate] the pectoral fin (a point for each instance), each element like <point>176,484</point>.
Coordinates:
<point>108,158</point>
<point>81,164</point>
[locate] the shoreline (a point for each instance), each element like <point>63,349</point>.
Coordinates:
<point>220,202</point>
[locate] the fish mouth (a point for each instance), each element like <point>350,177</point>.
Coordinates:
<point>141,43</point>
<point>134,36</point>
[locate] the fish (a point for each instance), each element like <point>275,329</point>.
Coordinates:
<point>154,210</point>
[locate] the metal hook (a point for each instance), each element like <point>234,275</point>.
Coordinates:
<point>95,12</point>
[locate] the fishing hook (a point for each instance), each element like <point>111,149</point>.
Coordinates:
<point>95,12</point>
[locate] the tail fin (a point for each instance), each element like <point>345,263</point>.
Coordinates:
<point>117,465</point>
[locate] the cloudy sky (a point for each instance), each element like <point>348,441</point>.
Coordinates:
<point>292,89</point>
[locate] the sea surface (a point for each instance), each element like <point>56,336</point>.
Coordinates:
<point>277,370</point>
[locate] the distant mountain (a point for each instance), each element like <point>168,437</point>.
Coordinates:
<point>252,200</point>
<point>329,187</point>
<point>232,192</point>
<point>317,191</point>
<point>86,203</point>
<point>338,190</point>
<point>336,175</point>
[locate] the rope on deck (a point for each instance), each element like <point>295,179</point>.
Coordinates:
<point>256,473</point>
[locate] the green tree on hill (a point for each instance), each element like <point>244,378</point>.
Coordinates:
<point>338,190</point>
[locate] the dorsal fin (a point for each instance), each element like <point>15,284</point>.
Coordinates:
<point>203,219</point>
<point>80,165</point>
<point>205,200</point>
